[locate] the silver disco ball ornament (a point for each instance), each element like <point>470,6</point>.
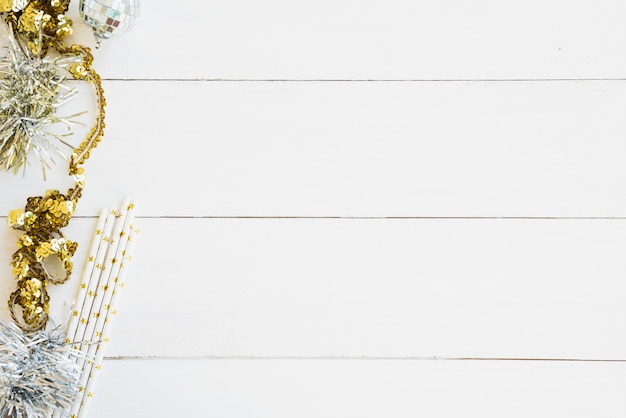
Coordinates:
<point>108,18</point>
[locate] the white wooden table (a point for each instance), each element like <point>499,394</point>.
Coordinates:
<point>361,209</point>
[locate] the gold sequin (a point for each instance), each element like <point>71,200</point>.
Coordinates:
<point>40,26</point>
<point>6,5</point>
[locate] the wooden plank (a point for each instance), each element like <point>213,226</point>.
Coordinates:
<point>391,39</point>
<point>373,288</point>
<point>367,389</point>
<point>355,149</point>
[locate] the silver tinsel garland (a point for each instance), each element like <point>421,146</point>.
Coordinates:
<point>31,91</point>
<point>38,373</point>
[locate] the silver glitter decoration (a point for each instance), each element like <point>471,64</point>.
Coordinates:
<point>109,18</point>
<point>31,91</point>
<point>38,373</point>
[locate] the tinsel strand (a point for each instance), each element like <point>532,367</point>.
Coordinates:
<point>44,216</point>
<point>38,373</point>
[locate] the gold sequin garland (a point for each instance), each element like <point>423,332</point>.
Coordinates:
<point>40,24</point>
<point>43,25</point>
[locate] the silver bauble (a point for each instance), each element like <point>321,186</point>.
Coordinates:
<point>108,18</point>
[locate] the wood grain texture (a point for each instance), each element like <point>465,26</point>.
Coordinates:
<point>394,39</point>
<point>356,149</point>
<point>334,288</point>
<point>270,279</point>
<point>366,389</point>
<point>369,288</point>
<point>366,288</point>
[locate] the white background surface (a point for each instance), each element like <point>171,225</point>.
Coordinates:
<point>361,209</point>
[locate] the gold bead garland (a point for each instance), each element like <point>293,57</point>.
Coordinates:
<point>42,25</point>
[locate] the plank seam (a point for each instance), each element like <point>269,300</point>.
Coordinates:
<point>539,218</point>
<point>362,80</point>
<point>270,217</point>
<point>367,358</point>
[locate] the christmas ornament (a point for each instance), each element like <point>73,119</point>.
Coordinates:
<point>108,18</point>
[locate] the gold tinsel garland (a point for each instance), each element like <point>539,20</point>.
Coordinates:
<point>42,26</point>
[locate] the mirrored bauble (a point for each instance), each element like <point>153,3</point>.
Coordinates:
<point>108,18</point>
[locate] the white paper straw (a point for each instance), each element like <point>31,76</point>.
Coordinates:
<point>114,241</point>
<point>104,292</point>
<point>95,256</point>
<point>79,301</point>
<point>91,283</point>
<point>88,289</point>
<point>117,282</point>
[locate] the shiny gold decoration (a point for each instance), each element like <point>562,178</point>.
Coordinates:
<point>41,26</point>
<point>6,5</point>
<point>84,71</point>
<point>41,221</point>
